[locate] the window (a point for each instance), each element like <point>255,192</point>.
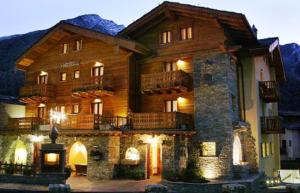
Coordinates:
<point>75,108</point>
<point>97,106</point>
<point>261,74</point>
<point>165,37</point>
<point>171,106</point>
<point>263,150</point>
<point>132,154</point>
<point>78,45</point>
<point>63,76</point>
<point>290,143</point>
<point>208,149</point>
<point>170,66</point>
<point>186,33</point>
<point>65,48</point>
<point>62,109</point>
<point>41,111</point>
<point>42,79</point>
<point>97,71</point>
<point>271,148</point>
<point>76,74</point>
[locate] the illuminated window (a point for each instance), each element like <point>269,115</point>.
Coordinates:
<point>132,154</point>
<point>263,150</point>
<point>65,48</point>
<point>170,66</point>
<point>75,108</point>
<point>76,74</point>
<point>186,33</point>
<point>62,109</point>
<point>78,45</point>
<point>63,76</point>
<point>171,106</point>
<point>51,159</point>
<point>97,71</point>
<point>208,149</point>
<point>97,107</point>
<point>165,37</point>
<point>42,78</point>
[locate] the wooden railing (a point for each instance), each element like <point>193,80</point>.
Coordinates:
<point>91,121</point>
<point>26,123</point>
<point>269,91</point>
<point>271,125</point>
<point>173,80</point>
<point>163,120</point>
<point>104,82</point>
<point>41,90</point>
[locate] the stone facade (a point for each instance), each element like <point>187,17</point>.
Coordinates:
<point>215,88</point>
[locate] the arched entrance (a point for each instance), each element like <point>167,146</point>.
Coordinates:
<point>237,150</point>
<point>78,158</point>
<point>20,156</point>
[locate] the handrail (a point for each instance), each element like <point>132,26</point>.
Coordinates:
<point>104,82</point>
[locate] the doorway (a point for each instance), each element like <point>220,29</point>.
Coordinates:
<point>154,160</point>
<point>78,158</point>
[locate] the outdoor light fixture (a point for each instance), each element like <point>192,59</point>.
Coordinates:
<point>180,64</point>
<point>57,116</point>
<point>132,154</point>
<point>36,138</point>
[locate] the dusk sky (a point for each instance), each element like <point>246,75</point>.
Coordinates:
<point>272,17</point>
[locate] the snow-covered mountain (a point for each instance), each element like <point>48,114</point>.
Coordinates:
<point>11,47</point>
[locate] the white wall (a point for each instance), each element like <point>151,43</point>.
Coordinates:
<point>293,151</point>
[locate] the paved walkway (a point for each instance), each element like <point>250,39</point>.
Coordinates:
<point>82,184</point>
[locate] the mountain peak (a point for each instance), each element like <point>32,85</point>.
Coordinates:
<point>95,22</point>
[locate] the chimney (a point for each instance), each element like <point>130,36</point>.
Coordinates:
<point>254,30</point>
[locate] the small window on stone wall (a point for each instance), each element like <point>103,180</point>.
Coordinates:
<point>208,149</point>
<point>132,154</point>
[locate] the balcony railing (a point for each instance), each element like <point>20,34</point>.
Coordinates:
<point>36,93</point>
<point>91,121</point>
<point>26,123</point>
<point>178,81</point>
<point>269,91</point>
<point>271,125</point>
<point>93,86</point>
<point>163,120</point>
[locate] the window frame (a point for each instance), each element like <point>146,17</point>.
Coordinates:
<point>74,74</point>
<point>169,37</point>
<point>186,33</point>
<point>66,49</point>
<point>61,76</point>
<point>172,103</point>
<point>80,45</point>
<point>73,108</point>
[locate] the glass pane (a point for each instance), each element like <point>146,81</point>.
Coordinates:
<point>100,108</point>
<point>189,33</point>
<point>62,109</point>
<point>169,36</point>
<point>174,106</point>
<point>168,106</point>
<point>174,66</point>
<point>167,67</point>
<point>183,34</point>
<point>164,37</point>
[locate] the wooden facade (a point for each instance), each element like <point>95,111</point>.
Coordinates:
<point>145,82</point>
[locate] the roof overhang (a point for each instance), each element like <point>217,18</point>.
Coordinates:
<point>234,23</point>
<point>269,47</point>
<point>63,29</point>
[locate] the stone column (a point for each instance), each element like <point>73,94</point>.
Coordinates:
<point>213,112</point>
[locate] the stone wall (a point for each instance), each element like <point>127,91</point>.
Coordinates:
<point>214,85</point>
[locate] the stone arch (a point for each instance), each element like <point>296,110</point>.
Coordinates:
<point>77,155</point>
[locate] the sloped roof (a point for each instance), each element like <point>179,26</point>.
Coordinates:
<point>63,29</point>
<point>235,23</point>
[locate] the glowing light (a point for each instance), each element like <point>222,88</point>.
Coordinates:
<point>209,173</point>
<point>57,116</point>
<point>36,139</point>
<point>20,153</point>
<point>152,140</point>
<point>209,149</point>
<point>180,64</point>
<point>52,157</point>
<point>132,154</point>
<point>237,153</point>
<point>77,155</point>
<point>181,100</point>
<point>42,105</point>
<point>97,101</point>
<point>98,64</point>
<point>43,73</point>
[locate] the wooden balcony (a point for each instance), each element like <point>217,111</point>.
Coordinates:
<point>165,82</point>
<point>271,125</point>
<point>269,91</point>
<point>172,120</point>
<point>26,123</point>
<point>91,121</point>
<point>36,93</point>
<point>93,87</point>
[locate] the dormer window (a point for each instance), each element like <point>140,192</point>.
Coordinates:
<point>65,48</point>
<point>165,37</point>
<point>78,45</point>
<point>186,33</point>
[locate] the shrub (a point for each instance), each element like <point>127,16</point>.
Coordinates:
<point>68,172</point>
<point>9,169</point>
<point>129,172</point>
<point>27,171</point>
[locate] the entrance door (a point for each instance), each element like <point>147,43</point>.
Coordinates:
<point>153,159</point>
